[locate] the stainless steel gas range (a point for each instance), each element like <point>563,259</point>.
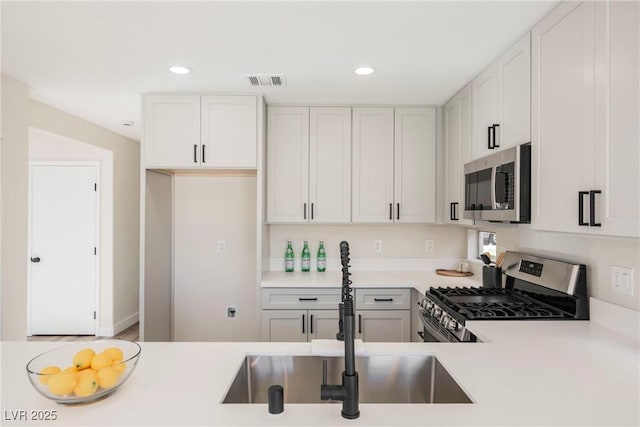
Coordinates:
<point>536,288</point>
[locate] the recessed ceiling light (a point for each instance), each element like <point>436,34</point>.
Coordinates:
<point>179,69</point>
<point>364,71</point>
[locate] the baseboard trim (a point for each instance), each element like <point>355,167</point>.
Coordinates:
<point>125,323</point>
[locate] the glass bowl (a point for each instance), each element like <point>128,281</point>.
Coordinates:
<point>71,386</point>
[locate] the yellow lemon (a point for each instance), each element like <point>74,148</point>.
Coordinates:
<point>100,361</point>
<point>82,359</point>
<point>62,383</point>
<point>46,373</point>
<point>70,370</point>
<point>114,353</point>
<point>120,366</point>
<point>87,383</point>
<point>108,377</point>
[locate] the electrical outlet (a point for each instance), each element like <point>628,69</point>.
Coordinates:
<point>222,246</point>
<point>232,312</point>
<point>429,245</point>
<point>377,245</point>
<point>622,280</point>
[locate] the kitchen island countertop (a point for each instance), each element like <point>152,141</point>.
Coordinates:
<point>549,373</point>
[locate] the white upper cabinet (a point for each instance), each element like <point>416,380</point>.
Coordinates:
<point>191,131</point>
<point>415,165</point>
<point>457,151</point>
<point>287,164</point>
<point>330,164</point>
<point>228,131</point>
<point>501,101</point>
<point>171,131</point>
<point>585,110</point>
<point>373,164</point>
<point>309,165</point>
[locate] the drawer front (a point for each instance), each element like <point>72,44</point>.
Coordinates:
<point>300,298</point>
<point>383,299</point>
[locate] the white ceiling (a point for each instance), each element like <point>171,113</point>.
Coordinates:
<point>94,59</point>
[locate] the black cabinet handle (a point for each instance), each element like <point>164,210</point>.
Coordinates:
<point>305,210</point>
<point>35,259</point>
<point>397,210</point>
<point>359,323</point>
<point>451,211</point>
<point>303,331</point>
<point>592,208</point>
<point>383,299</point>
<point>308,299</point>
<point>455,211</point>
<point>311,324</point>
<point>421,335</point>
<point>496,141</point>
<point>195,153</point>
<point>390,211</point>
<point>489,146</point>
<point>581,195</point>
<point>204,158</point>
<point>311,210</point>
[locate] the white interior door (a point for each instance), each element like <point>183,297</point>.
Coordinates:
<point>63,249</point>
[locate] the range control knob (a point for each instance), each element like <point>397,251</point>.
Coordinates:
<point>437,312</point>
<point>444,319</point>
<point>453,325</point>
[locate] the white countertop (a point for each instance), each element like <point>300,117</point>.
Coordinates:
<point>549,373</point>
<point>420,280</point>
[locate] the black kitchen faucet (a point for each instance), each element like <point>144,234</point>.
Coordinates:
<point>348,391</point>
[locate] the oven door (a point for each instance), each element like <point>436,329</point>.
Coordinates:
<point>434,332</point>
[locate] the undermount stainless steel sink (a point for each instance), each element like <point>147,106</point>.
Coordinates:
<point>383,379</point>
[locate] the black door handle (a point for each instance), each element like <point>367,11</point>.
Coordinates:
<point>496,141</point>
<point>455,211</point>
<point>592,208</point>
<point>451,211</point>
<point>383,299</point>
<point>303,331</point>
<point>305,210</point>
<point>489,146</point>
<point>581,195</point>
<point>195,153</point>
<point>398,211</point>
<point>359,323</point>
<point>311,210</point>
<point>390,211</point>
<point>35,259</point>
<point>311,324</point>
<point>308,299</point>
<point>204,158</point>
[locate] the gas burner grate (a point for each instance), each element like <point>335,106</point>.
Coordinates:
<point>504,310</point>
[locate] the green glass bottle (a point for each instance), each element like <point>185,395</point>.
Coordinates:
<point>288,257</point>
<point>322,258</point>
<point>306,257</point>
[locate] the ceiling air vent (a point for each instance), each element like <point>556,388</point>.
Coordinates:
<point>274,80</point>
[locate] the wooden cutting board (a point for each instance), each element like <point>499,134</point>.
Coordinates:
<point>453,273</point>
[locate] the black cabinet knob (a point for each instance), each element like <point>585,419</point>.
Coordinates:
<point>35,259</point>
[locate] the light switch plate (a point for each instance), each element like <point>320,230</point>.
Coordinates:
<point>622,280</point>
<point>222,246</point>
<point>377,245</point>
<point>429,245</point>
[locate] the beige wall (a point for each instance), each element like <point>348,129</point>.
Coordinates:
<point>15,190</point>
<point>19,112</point>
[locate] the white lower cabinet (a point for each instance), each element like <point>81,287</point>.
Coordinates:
<point>383,314</point>
<point>299,314</point>
<point>299,325</point>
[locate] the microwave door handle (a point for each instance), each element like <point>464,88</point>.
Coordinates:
<point>493,187</point>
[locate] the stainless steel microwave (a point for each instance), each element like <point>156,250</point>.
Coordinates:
<point>498,187</point>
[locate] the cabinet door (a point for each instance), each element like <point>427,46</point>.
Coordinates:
<point>485,110</point>
<point>284,325</point>
<point>457,152</point>
<point>330,164</point>
<point>562,115</point>
<point>415,165</point>
<point>171,131</point>
<point>288,164</point>
<point>323,324</point>
<point>228,133</point>
<point>617,126</point>
<point>383,325</point>
<point>372,165</point>
<point>514,94</point>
